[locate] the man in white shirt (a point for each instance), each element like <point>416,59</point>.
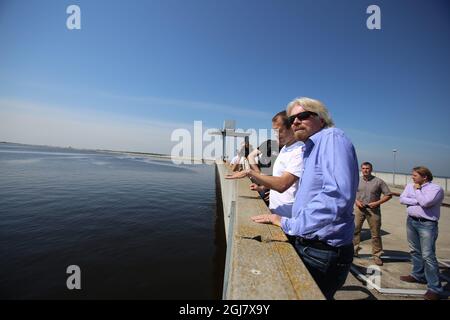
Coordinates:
<point>238,161</point>
<point>287,169</point>
<point>263,158</point>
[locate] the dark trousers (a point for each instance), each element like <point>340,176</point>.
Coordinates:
<point>328,267</point>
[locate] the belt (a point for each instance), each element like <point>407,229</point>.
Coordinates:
<point>317,244</point>
<point>421,219</point>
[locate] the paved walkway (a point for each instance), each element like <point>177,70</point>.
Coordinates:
<point>395,244</point>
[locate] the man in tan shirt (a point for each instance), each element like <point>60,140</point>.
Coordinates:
<point>368,204</point>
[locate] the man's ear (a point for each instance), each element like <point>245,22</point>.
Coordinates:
<point>323,122</point>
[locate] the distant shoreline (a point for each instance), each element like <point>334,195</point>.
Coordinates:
<point>148,154</point>
<point>157,155</point>
<point>82,149</point>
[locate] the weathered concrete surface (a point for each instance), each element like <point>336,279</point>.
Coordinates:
<point>261,263</point>
<point>394,243</point>
<point>227,192</point>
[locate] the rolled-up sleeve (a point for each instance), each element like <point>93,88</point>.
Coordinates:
<point>406,199</point>
<point>385,189</point>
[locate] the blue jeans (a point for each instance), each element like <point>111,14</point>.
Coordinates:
<point>422,236</point>
<point>328,268</point>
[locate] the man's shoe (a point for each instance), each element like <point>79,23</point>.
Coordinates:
<point>377,261</point>
<point>409,278</point>
<point>430,295</point>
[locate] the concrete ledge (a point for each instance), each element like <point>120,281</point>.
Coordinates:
<point>260,263</point>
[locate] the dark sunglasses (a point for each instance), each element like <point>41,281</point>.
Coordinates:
<point>301,116</point>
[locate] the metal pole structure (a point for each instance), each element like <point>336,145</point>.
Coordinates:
<point>394,151</point>
<point>228,131</point>
<point>224,142</point>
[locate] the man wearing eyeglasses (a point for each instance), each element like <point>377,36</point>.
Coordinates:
<point>322,215</point>
<point>287,169</point>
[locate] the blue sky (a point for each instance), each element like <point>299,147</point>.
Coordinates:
<point>139,69</point>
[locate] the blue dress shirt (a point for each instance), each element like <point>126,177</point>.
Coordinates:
<point>323,207</point>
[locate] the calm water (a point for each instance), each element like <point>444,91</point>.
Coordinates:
<point>137,227</point>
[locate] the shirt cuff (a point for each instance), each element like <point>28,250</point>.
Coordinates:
<point>285,225</point>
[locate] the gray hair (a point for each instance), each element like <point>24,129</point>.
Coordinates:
<point>312,105</point>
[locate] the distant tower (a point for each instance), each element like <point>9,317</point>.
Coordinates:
<point>229,127</point>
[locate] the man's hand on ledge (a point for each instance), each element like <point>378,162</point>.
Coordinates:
<point>236,175</point>
<point>268,218</point>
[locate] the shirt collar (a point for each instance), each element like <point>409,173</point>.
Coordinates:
<point>313,139</point>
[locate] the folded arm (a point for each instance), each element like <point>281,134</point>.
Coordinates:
<point>407,198</point>
<point>429,198</point>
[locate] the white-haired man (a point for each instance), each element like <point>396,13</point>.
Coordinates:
<point>322,215</point>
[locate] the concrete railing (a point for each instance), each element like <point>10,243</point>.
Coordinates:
<point>260,262</point>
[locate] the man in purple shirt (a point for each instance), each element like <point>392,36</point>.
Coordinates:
<point>423,201</point>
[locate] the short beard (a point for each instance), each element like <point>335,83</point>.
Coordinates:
<point>300,136</point>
